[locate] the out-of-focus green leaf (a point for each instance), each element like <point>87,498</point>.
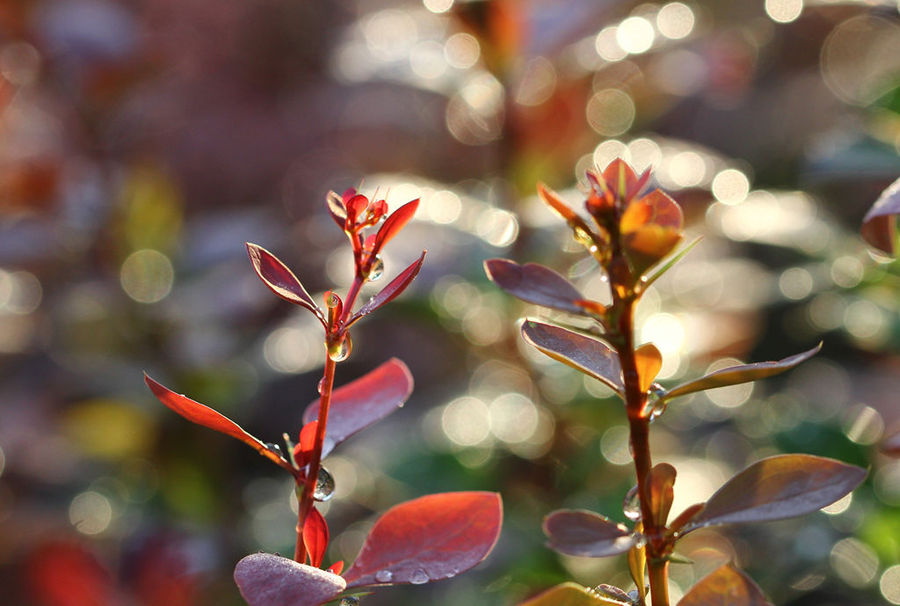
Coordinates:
<point>725,586</point>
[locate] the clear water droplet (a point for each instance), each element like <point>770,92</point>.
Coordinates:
<point>583,237</point>
<point>332,300</point>
<point>321,385</point>
<point>274,448</point>
<point>418,577</point>
<point>350,601</point>
<point>631,505</point>
<point>377,269</point>
<point>655,405</point>
<point>384,576</point>
<point>341,351</point>
<point>324,485</point>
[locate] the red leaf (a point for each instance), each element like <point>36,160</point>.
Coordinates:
<point>315,537</point>
<point>304,447</point>
<point>744,373</point>
<point>535,284</point>
<point>337,567</point>
<point>725,586</point>
<point>200,414</point>
<point>430,538</point>
<point>270,580</point>
<point>336,209</point>
<point>879,227</point>
<point>387,294</point>
<point>579,532</point>
<point>393,224</point>
<point>588,355</point>
<point>360,403</point>
<point>280,279</point>
<point>779,487</point>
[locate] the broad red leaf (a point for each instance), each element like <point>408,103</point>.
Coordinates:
<point>725,586</point>
<point>535,284</point>
<point>571,594</point>
<point>429,538</point>
<point>779,487</point>
<point>393,224</point>
<point>270,580</point>
<point>579,532</point>
<point>393,289</point>
<point>588,355</point>
<point>280,279</point>
<point>891,445</point>
<point>879,226</point>
<point>360,403</point>
<point>661,480</point>
<point>315,537</point>
<point>744,373</point>
<point>201,414</point>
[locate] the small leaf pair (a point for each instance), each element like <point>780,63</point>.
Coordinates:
<point>427,539</point>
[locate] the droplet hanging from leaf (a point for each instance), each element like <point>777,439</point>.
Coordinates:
<point>377,269</point>
<point>324,486</point>
<point>631,505</point>
<point>340,351</point>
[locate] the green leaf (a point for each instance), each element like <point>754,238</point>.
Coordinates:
<point>570,594</point>
<point>590,356</point>
<point>744,373</point>
<point>725,586</point>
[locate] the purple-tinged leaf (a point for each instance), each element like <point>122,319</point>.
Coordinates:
<point>198,413</point>
<point>779,487</point>
<point>336,209</point>
<point>891,445</point>
<point>744,373</point>
<point>572,594</point>
<point>280,279</point>
<point>393,224</point>
<point>725,586</point>
<point>360,403</point>
<point>579,532</point>
<point>270,580</point>
<point>430,538</point>
<point>588,355</point>
<point>387,294</point>
<point>879,226</point>
<point>535,284</point>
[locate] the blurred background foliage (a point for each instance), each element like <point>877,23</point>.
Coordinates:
<point>142,142</point>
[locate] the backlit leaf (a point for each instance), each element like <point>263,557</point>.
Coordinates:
<point>661,480</point>
<point>336,209</point>
<point>360,403</point>
<point>315,537</point>
<point>879,226</point>
<point>280,279</point>
<point>393,289</point>
<point>430,538</point>
<point>588,355</point>
<point>535,284</point>
<point>393,224</point>
<point>649,361</point>
<point>201,414</point>
<point>270,580</point>
<point>779,487</point>
<point>725,586</point>
<point>744,373</point>
<point>579,532</point>
<point>570,594</point>
<point>552,199</point>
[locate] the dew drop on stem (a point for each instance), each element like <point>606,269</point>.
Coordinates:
<point>377,269</point>
<point>339,352</point>
<point>321,385</point>
<point>324,485</point>
<point>631,505</point>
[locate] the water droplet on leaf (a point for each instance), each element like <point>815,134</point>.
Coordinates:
<point>377,269</point>
<point>418,577</point>
<point>631,505</point>
<point>324,485</point>
<point>384,576</point>
<point>274,448</point>
<point>350,601</point>
<point>341,351</point>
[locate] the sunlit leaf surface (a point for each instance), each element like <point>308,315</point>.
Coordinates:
<point>270,580</point>
<point>570,594</point>
<point>534,283</point>
<point>725,586</point>
<point>280,279</point>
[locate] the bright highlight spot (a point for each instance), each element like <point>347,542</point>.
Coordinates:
<point>147,276</point>
<point>839,506</point>
<point>635,35</point>
<point>514,418</point>
<point>466,421</point>
<point>733,395</point>
<point>854,562</point>
<point>607,45</point>
<point>610,112</point>
<point>614,445</point>
<point>90,512</point>
<point>438,6</point>
<point>730,186</point>
<point>462,50</point>
<point>675,20</point>
<point>889,584</point>
<point>784,11</point>
<point>795,283</point>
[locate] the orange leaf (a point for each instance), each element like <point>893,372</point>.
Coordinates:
<point>661,480</point>
<point>649,361</point>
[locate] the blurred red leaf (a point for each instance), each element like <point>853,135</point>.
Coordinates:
<point>315,537</point>
<point>387,294</point>
<point>430,538</point>
<point>588,355</point>
<point>535,284</point>
<point>579,532</point>
<point>361,402</point>
<point>280,279</point>
<point>779,487</point>
<point>879,226</point>
<point>66,574</point>
<point>394,223</point>
<point>270,580</point>
<point>744,373</point>
<point>725,586</point>
<point>201,414</point>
